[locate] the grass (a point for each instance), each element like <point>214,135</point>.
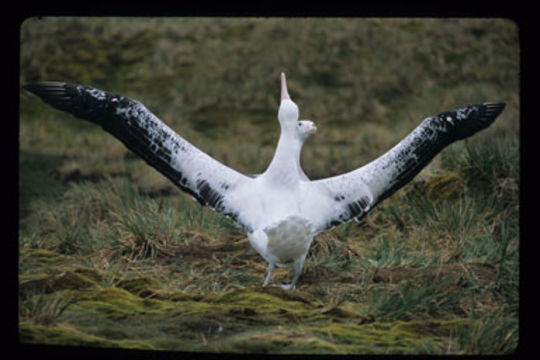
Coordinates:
<point>113,255</point>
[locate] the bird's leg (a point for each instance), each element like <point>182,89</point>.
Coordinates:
<point>298,264</point>
<point>268,274</point>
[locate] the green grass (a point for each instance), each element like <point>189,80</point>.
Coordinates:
<point>111,254</point>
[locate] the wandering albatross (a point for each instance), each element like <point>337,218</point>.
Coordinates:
<point>281,210</point>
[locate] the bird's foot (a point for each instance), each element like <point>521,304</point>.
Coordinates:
<point>288,286</point>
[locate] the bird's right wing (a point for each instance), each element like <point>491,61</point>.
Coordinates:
<point>207,180</point>
<point>351,195</point>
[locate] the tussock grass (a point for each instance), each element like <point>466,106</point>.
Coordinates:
<point>43,311</point>
<point>111,254</point>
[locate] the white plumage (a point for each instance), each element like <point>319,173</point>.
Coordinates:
<point>281,209</point>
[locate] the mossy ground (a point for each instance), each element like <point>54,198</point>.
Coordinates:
<point>113,255</point>
<point>140,313</point>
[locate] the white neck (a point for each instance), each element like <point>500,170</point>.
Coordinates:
<point>285,166</point>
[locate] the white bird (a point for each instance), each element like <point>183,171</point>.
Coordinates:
<point>304,130</point>
<point>281,209</point>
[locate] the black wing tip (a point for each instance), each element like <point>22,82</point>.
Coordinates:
<point>55,93</point>
<point>47,90</point>
<point>44,86</point>
<point>491,110</point>
<point>479,117</point>
<point>495,106</point>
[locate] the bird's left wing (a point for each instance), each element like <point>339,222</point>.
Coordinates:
<point>350,196</point>
<point>207,180</point>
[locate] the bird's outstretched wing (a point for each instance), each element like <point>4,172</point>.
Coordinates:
<point>351,195</point>
<point>195,172</point>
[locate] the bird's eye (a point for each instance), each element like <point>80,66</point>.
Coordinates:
<point>299,124</point>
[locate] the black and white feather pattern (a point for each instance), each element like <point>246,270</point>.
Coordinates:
<point>337,199</point>
<point>196,173</point>
<point>357,192</point>
<point>281,210</point>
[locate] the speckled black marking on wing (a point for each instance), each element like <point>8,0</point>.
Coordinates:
<point>409,157</point>
<point>358,208</point>
<point>434,134</point>
<point>355,209</point>
<point>212,197</point>
<point>77,100</point>
<point>123,118</point>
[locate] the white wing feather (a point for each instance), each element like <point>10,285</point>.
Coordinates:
<point>352,195</point>
<point>206,179</point>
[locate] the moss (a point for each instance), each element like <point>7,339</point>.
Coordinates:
<point>40,256</point>
<point>374,338</point>
<point>48,283</point>
<point>444,186</point>
<point>73,280</point>
<point>144,286</point>
<point>117,303</point>
<point>181,296</point>
<point>263,296</point>
<point>338,312</point>
<point>428,328</point>
<point>313,345</point>
<point>113,303</point>
<point>263,343</point>
<point>91,274</point>
<point>63,335</point>
<point>271,301</point>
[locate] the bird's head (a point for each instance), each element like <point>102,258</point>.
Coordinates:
<point>288,112</point>
<point>305,129</point>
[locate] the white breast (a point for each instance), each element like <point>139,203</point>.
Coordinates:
<point>285,241</point>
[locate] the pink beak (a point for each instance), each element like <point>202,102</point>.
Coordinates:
<point>284,92</point>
